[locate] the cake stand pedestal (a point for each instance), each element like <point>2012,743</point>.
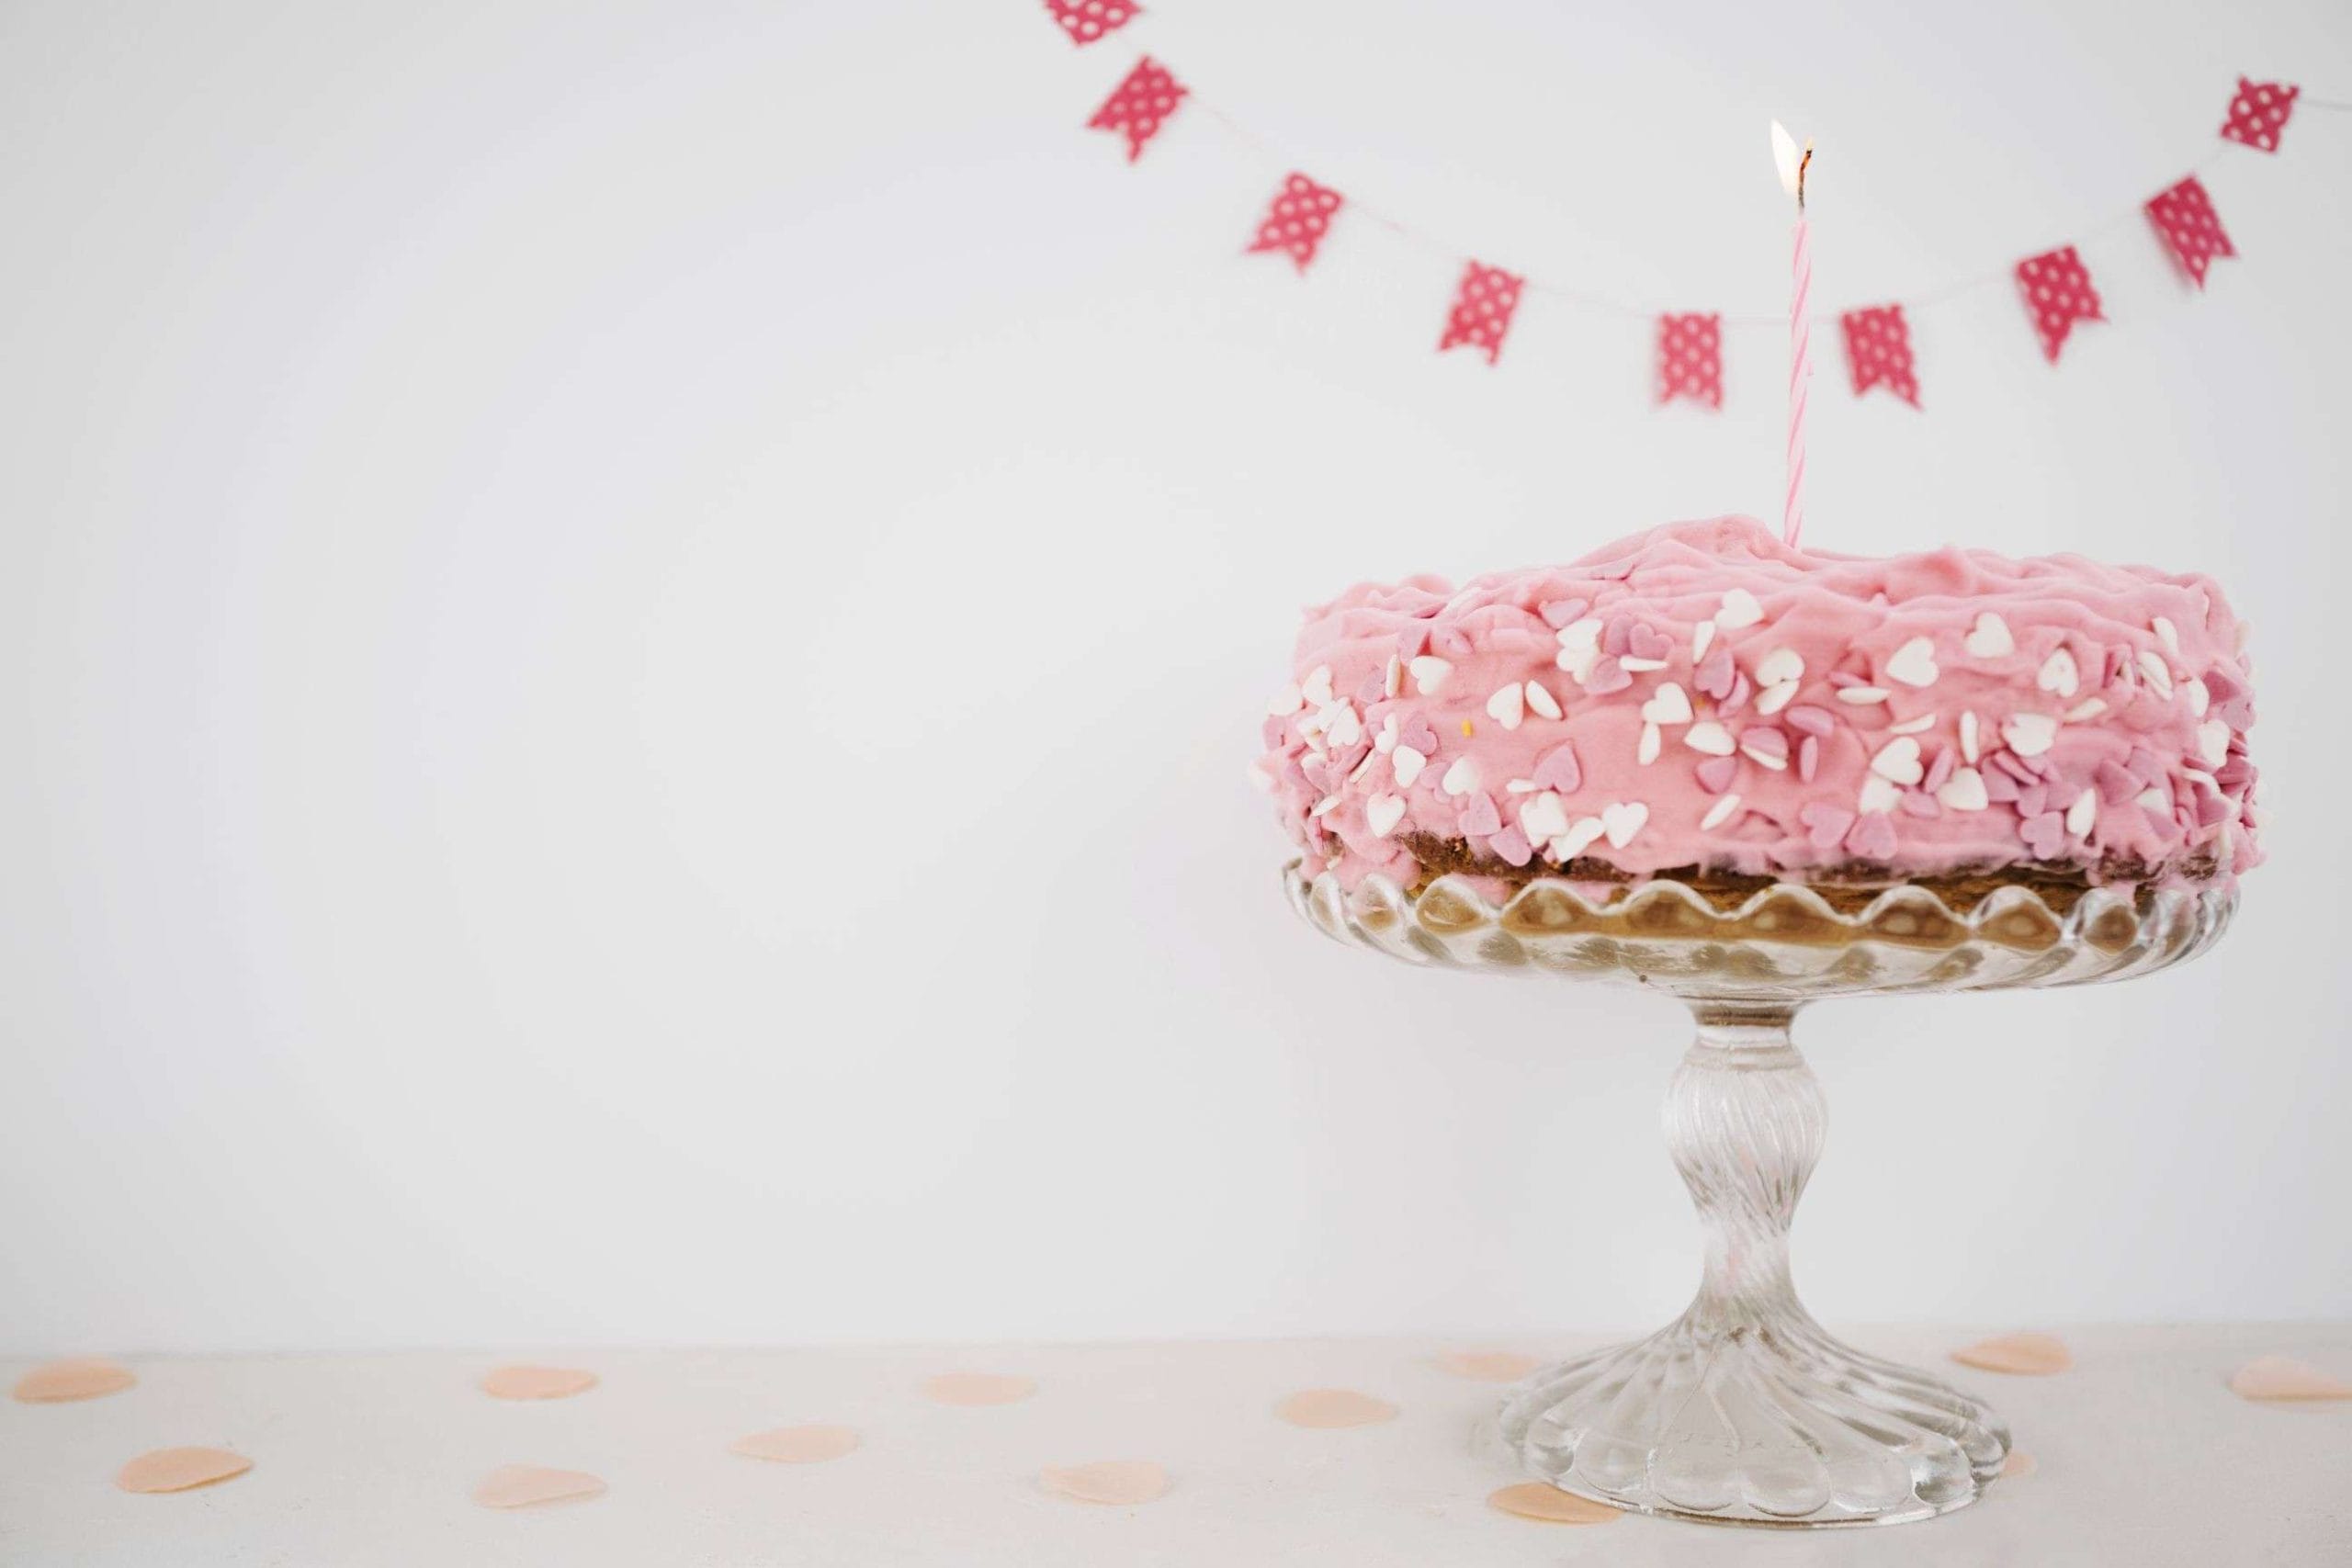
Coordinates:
<point>1744,1410</point>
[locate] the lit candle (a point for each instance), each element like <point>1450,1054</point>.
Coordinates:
<point>1792,162</point>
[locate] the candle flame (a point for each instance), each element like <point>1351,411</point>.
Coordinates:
<point>1791,161</point>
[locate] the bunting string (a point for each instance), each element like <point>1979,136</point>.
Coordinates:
<point>2056,288</point>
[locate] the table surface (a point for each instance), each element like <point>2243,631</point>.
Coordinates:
<point>2141,1453</point>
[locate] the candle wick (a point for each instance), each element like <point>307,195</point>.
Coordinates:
<point>1802,164</point>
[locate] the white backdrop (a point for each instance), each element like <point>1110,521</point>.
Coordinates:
<point>631,632</point>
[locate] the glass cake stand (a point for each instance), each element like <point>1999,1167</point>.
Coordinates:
<point>1745,1410</point>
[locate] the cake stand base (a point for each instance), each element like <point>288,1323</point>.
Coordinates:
<point>1746,1411</point>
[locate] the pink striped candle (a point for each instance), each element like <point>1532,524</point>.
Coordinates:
<point>1792,162</point>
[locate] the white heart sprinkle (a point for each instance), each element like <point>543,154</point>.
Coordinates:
<point>1543,818</point>
<point>1409,765</point>
<point>1781,664</point>
<point>1968,737</point>
<point>1369,759</point>
<point>1914,663</point>
<point>1763,758</point>
<point>1383,812</point>
<point>1316,688</point>
<point>2166,633</point>
<point>1285,701</point>
<point>1718,813</point>
<point>1429,674</point>
<point>1520,786</point>
<point>1879,795</point>
<point>1460,778</point>
<point>2213,741</point>
<point>1668,705</point>
<point>1579,662</point>
<point>2089,707</point>
<point>1623,820</point>
<point>1640,666</point>
<point>2159,674</point>
<point>2153,799</point>
<point>1919,726</point>
<point>1708,736</point>
<point>1507,705</point>
<point>1772,699</point>
<point>1324,806</point>
<point>2200,699</point>
<point>1581,634</point>
<point>2083,813</point>
<point>2058,674</point>
<point>1385,740</point>
<point>1392,680</point>
<point>1859,695</point>
<point>1989,638</point>
<point>1340,726</point>
<point>1645,750</point>
<point>1965,791</point>
<point>1542,701</point>
<point>1739,609</point>
<point>2029,734</point>
<point>1899,759</point>
<point>1577,840</point>
<point>1700,636</point>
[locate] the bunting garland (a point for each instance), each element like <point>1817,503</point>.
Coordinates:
<point>2054,286</point>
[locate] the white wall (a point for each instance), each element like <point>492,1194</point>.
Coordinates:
<point>631,633</point>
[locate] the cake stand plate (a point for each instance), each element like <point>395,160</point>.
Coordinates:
<point>1745,1410</point>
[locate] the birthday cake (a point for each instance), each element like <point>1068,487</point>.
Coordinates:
<point>1703,703</point>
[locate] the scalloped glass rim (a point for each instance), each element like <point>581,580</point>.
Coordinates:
<point>1783,941</point>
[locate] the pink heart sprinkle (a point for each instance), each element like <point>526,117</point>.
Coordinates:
<point>1811,719</point>
<point>2033,800</point>
<point>1606,676</point>
<point>2115,783</point>
<point>2014,765</point>
<point>2221,686</point>
<point>1998,786</point>
<point>1873,837</point>
<point>2237,775</point>
<point>1763,738</point>
<point>2212,809</point>
<point>1372,688</point>
<point>1420,734</point>
<point>1647,642</point>
<point>1617,635</point>
<point>1450,641</point>
<point>2145,766</point>
<point>2044,834</point>
<point>1808,757</point>
<point>1412,639</point>
<point>1558,613</point>
<point>1825,825</point>
<point>1844,678</point>
<point>1510,846</point>
<point>1738,698</point>
<point>1479,816</point>
<point>2160,820</point>
<point>1715,774</point>
<point>1940,763</point>
<point>1273,732</point>
<point>1715,673</point>
<point>1918,803</point>
<point>1558,769</point>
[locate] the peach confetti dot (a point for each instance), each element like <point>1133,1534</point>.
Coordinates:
<point>1122,1483</point>
<point>76,1377</point>
<point>979,1388</point>
<point>1334,1407</point>
<point>537,1382</point>
<point>2275,1378</point>
<point>527,1486</point>
<point>1534,1500</point>
<point>2026,1355</point>
<point>796,1445</point>
<point>2017,1464</point>
<point>1487,1366</point>
<point>179,1469</point>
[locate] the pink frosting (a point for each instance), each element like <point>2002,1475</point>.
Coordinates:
<point>1703,694</point>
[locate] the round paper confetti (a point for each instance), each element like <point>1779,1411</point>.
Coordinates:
<point>537,1382</point>
<point>1487,1366</point>
<point>979,1388</point>
<point>2026,1355</point>
<point>2017,1464</point>
<point>1534,1500</point>
<point>1120,1481</point>
<point>2277,1378</point>
<point>796,1445</point>
<point>527,1486</point>
<point>77,1377</point>
<point>178,1470</point>
<point>1334,1407</point>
